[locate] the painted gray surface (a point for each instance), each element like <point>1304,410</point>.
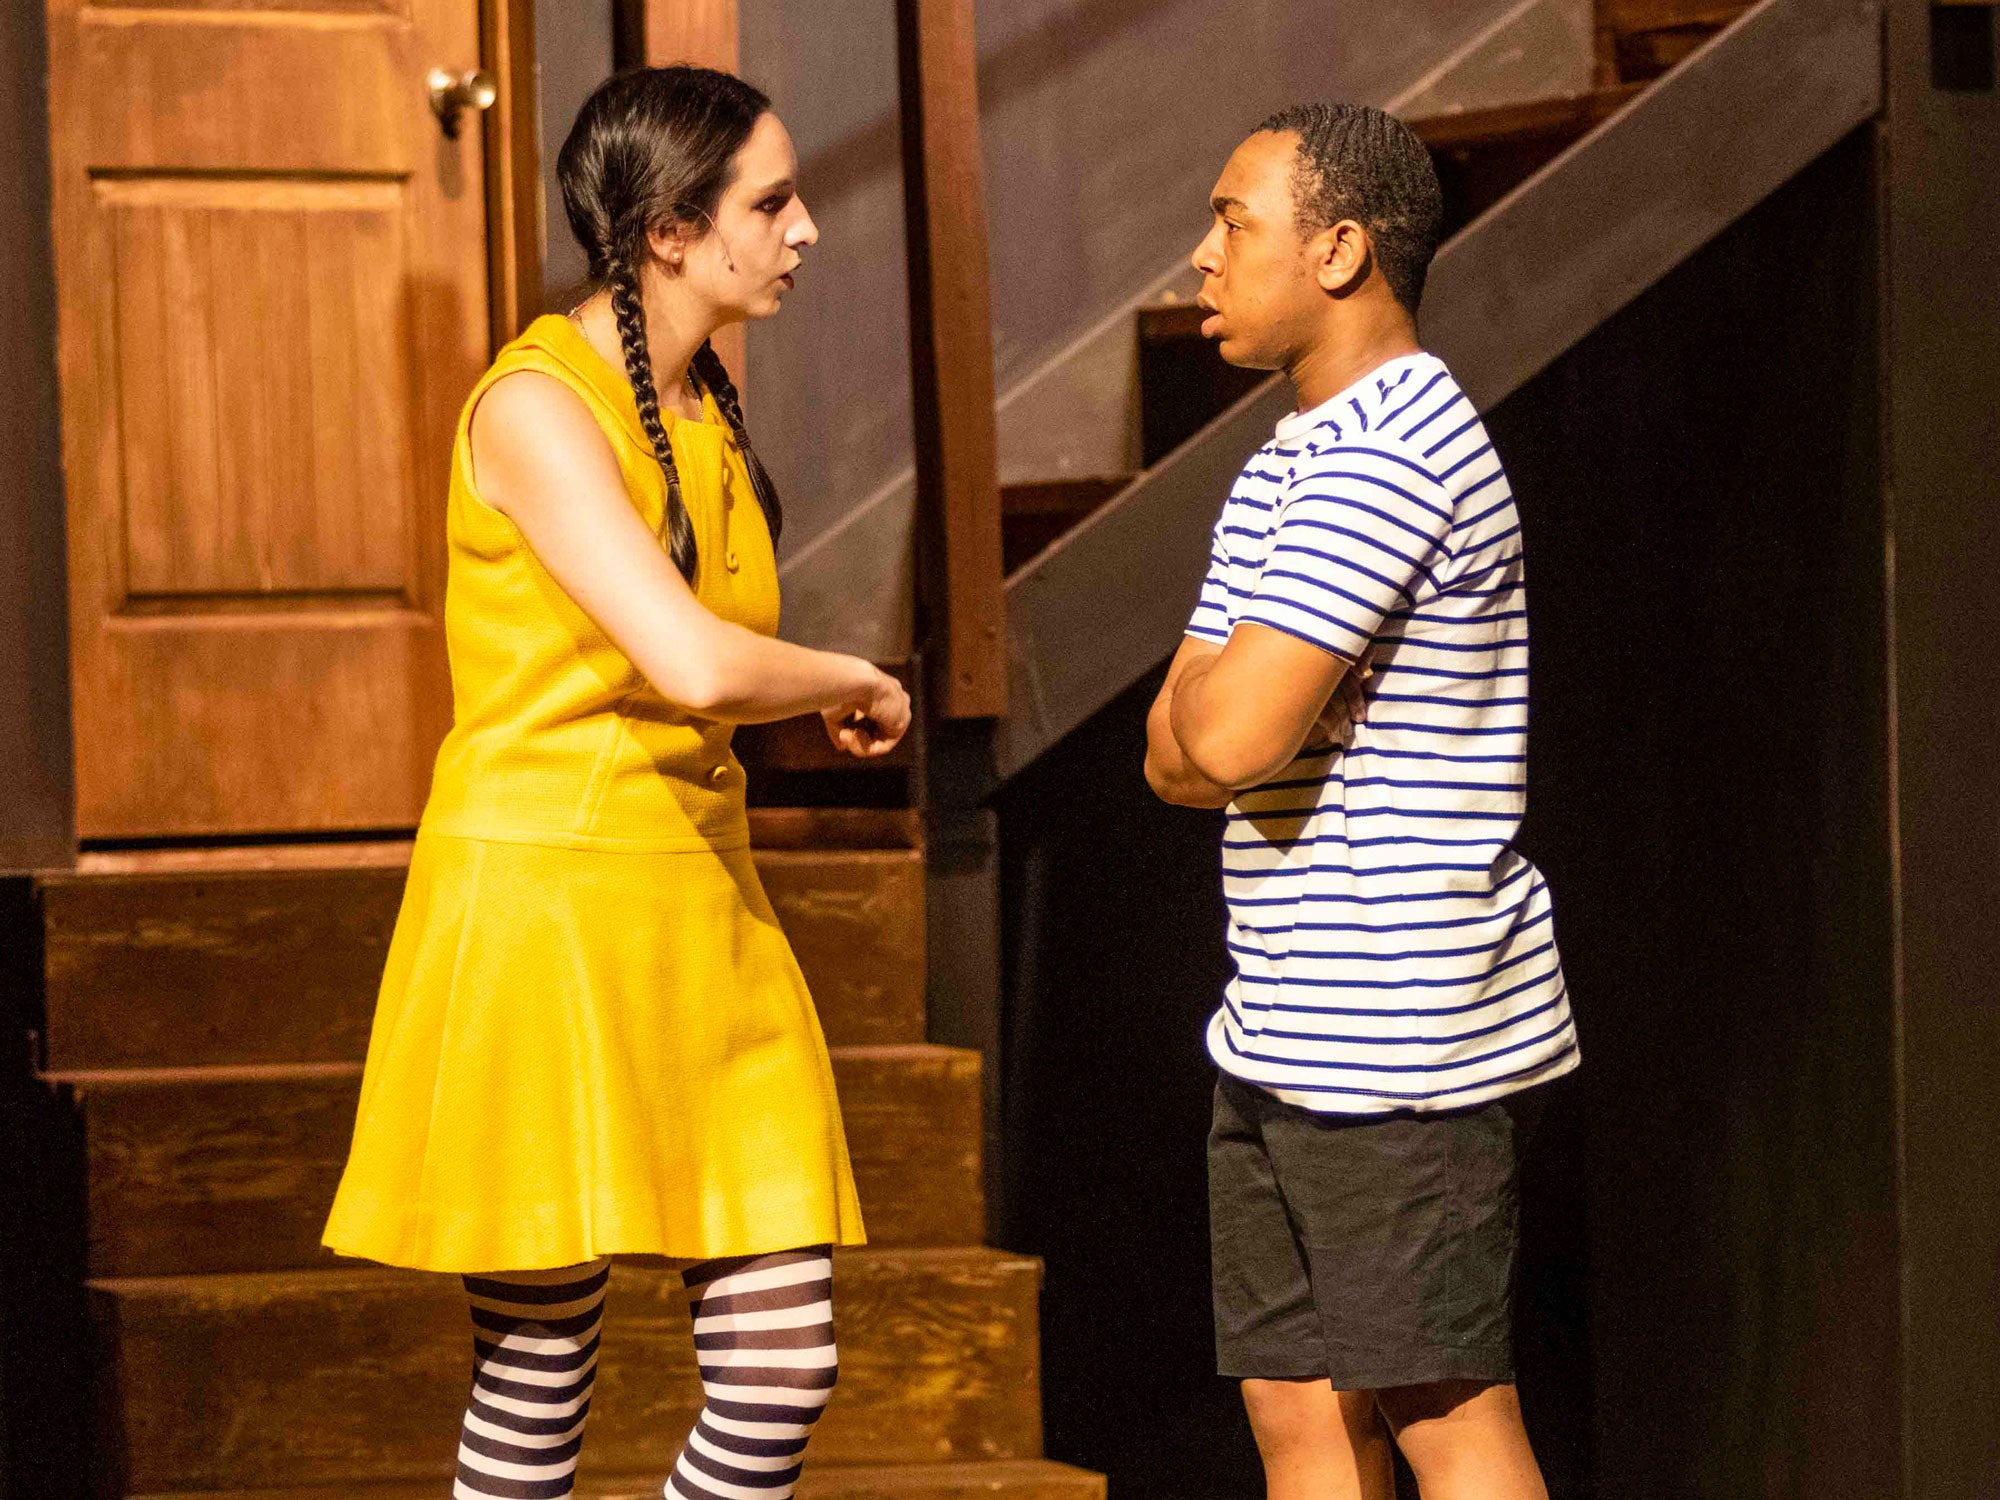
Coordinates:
<point>572,56</point>
<point>37,807</point>
<point>1077,414</point>
<point>1565,251</point>
<point>1104,123</point>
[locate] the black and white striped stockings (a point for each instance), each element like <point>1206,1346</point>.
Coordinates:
<point>763,1337</point>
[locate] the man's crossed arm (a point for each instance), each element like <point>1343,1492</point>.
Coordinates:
<point>1231,717</point>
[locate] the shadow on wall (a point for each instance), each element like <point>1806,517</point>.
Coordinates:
<point>1710,1290</point>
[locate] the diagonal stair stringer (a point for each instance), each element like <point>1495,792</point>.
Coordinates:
<point>1526,281</point>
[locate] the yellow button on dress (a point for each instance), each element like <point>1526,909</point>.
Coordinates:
<point>592,1037</point>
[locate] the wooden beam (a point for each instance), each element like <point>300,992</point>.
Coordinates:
<point>516,235</point>
<point>706,33</point>
<point>1560,255</point>
<point>702,32</point>
<point>959,575</point>
<point>1941,388</point>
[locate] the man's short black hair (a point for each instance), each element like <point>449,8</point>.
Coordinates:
<point>1356,162</point>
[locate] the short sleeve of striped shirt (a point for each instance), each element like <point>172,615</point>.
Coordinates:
<point>1359,531</point>
<point>1211,619</point>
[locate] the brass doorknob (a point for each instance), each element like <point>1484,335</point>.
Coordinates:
<point>452,94</point>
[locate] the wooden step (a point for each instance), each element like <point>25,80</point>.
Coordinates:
<point>194,1171</point>
<point>1033,516</point>
<point>1006,1479</point>
<point>1184,383</point>
<point>223,965</point>
<point>1649,37</point>
<point>792,761</point>
<point>1482,155</point>
<point>339,1377</point>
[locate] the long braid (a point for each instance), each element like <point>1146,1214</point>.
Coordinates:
<point>630,314</point>
<point>714,376</point>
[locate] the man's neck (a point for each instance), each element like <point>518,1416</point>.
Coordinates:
<point>1337,361</point>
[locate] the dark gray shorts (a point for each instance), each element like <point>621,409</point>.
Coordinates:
<point>1372,1251</point>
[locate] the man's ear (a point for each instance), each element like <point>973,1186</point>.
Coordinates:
<point>1342,256</point>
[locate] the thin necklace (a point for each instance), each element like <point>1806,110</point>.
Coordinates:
<point>575,315</point>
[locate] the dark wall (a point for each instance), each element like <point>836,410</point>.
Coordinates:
<point>1710,1259</point>
<point>36,810</point>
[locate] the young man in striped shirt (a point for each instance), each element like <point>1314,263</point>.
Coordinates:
<point>1353,687</point>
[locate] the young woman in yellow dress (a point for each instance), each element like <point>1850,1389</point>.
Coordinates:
<point>592,1037</point>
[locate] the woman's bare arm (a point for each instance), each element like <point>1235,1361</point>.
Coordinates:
<point>541,461</point>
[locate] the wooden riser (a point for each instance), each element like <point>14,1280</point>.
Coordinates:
<point>205,969</point>
<point>1008,1479</point>
<point>207,1171</point>
<point>335,1377</point>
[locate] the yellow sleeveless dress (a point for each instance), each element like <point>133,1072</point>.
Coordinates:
<point>592,1036</point>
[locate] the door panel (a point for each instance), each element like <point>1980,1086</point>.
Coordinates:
<point>221,90</point>
<point>251,316</point>
<point>272,287</point>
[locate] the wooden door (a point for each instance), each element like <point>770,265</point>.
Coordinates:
<point>272,283</point>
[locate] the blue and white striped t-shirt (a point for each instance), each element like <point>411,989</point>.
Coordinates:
<point>1392,950</point>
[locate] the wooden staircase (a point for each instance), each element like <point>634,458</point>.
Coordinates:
<point>1480,155</point>
<point>206,1013</point>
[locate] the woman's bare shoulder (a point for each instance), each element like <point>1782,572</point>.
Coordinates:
<point>528,429</point>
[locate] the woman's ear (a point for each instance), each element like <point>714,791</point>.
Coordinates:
<point>668,240</point>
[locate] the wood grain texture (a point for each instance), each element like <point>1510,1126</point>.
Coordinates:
<point>188,969</point>
<point>1001,1479</point>
<point>856,921</point>
<point>328,1377</point>
<point>516,234</point>
<point>703,32</point>
<point>951,357</point>
<point>200,970</point>
<point>306,93</point>
<point>240,306</point>
<point>211,1171</point>
<point>770,828</point>
<point>271,299</point>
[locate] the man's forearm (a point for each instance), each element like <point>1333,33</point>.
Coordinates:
<point>1225,749</point>
<point>1167,770</point>
<point>1183,786</point>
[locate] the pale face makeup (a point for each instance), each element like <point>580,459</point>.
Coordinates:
<point>742,264</point>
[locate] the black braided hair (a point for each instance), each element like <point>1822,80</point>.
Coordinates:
<point>650,147</point>
<point>630,312</point>
<point>1356,162</point>
<point>714,376</point>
